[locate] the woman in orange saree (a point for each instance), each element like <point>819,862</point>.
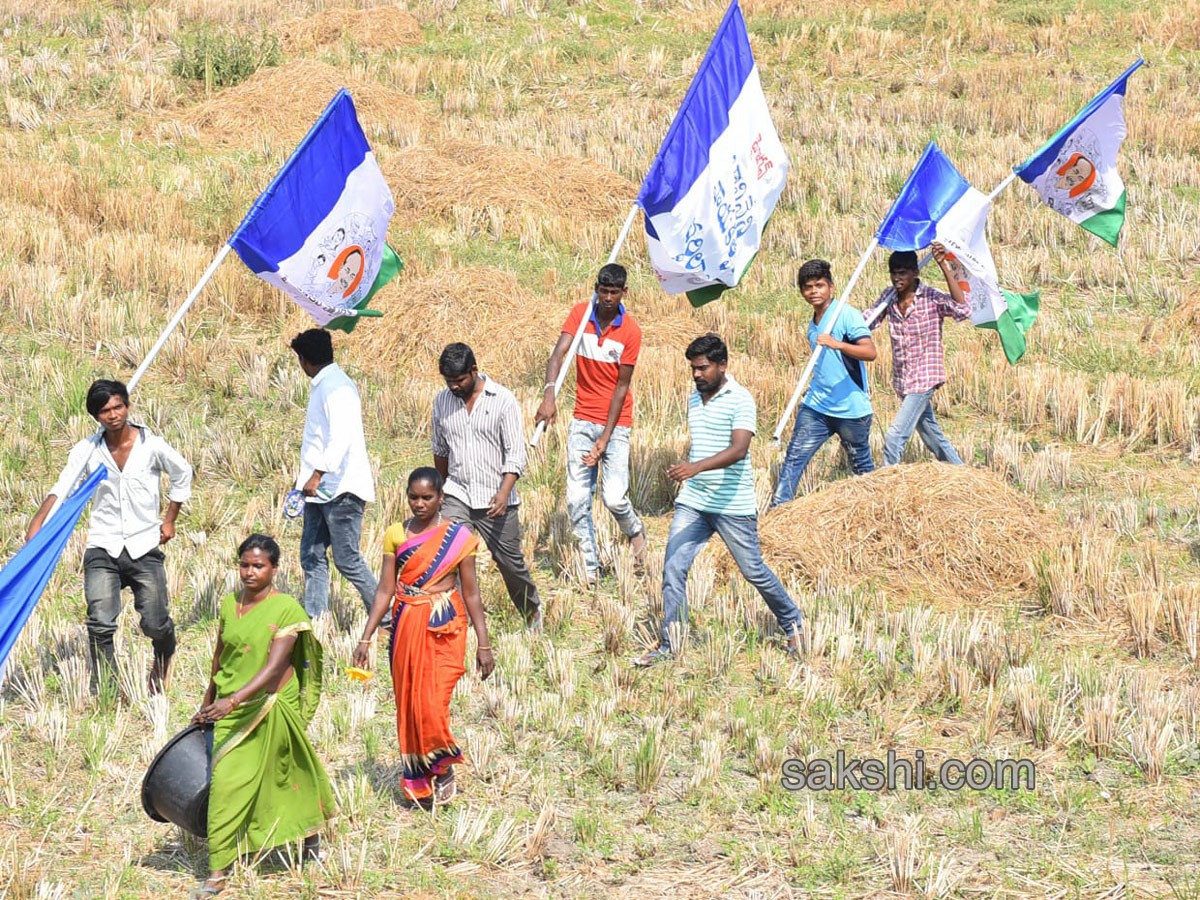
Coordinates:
<point>424,562</point>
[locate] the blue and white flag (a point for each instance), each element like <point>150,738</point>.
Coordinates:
<point>1076,171</point>
<point>24,578</point>
<point>937,204</point>
<point>319,230</point>
<point>717,176</point>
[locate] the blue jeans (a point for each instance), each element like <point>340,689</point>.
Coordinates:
<point>614,486</point>
<point>812,430</point>
<point>335,525</point>
<point>690,531</point>
<point>916,412</point>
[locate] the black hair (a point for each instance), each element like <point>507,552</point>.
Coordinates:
<point>314,345</point>
<point>814,270</point>
<point>612,275</point>
<point>709,346</point>
<point>429,474</point>
<point>903,259</point>
<point>456,359</point>
<point>103,390</point>
<point>263,542</point>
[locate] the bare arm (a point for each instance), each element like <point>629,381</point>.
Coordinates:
<point>863,348</point>
<point>956,291</point>
<point>269,677</point>
<point>738,447</point>
<point>484,658</point>
<point>442,464</point>
<point>39,518</point>
<point>624,378</point>
<point>210,693</point>
<point>383,599</point>
<point>548,410</point>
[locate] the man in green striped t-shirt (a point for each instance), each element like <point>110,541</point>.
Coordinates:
<point>717,496</point>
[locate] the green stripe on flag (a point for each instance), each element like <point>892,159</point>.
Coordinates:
<point>1107,225</point>
<point>1014,322</point>
<point>388,269</point>
<point>711,292</point>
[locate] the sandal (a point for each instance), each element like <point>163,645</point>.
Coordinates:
<point>446,789</point>
<point>211,887</point>
<point>639,553</point>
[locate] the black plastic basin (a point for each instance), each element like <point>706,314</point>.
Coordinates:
<point>175,788</point>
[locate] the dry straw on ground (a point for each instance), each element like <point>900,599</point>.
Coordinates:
<point>382,28</point>
<point>946,532</point>
<point>508,326</point>
<point>486,180</point>
<point>278,105</point>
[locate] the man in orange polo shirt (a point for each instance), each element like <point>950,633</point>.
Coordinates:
<point>600,428</point>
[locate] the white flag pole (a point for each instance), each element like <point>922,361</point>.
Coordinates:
<point>154,351</point>
<point>873,314</point>
<point>830,318</point>
<point>583,324</point>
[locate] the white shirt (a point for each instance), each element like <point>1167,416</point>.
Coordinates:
<point>125,507</point>
<point>333,439</point>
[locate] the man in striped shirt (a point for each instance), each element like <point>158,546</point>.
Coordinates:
<point>479,447</point>
<point>717,496</point>
<point>914,313</point>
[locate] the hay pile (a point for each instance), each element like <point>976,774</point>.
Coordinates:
<point>372,29</point>
<point>949,532</point>
<point>278,105</point>
<point>510,328</point>
<point>435,179</point>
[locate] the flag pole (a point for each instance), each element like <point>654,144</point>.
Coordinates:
<point>583,324</point>
<point>154,351</point>
<point>874,314</point>
<point>830,318</point>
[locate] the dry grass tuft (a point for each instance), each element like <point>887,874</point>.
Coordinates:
<point>382,28</point>
<point>950,532</point>
<point>507,326</point>
<point>495,189</point>
<point>277,106</point>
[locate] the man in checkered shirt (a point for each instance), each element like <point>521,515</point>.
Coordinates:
<point>914,313</point>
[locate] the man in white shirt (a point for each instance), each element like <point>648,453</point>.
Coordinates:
<point>335,476</point>
<point>125,534</point>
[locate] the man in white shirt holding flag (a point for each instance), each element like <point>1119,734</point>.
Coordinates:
<point>125,534</point>
<point>335,476</point>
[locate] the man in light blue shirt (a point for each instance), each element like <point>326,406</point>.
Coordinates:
<point>717,497</point>
<point>838,401</point>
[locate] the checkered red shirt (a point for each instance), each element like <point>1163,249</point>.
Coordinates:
<point>917,355</point>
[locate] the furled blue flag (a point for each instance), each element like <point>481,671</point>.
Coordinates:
<point>319,230</point>
<point>718,174</point>
<point>1076,171</point>
<point>24,578</point>
<point>937,204</point>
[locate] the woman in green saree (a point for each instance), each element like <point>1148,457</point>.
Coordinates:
<point>268,787</point>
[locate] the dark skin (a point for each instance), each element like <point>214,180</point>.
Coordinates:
<point>709,378</point>
<point>425,501</point>
<point>467,388</point>
<point>905,281</point>
<point>314,480</point>
<point>119,438</point>
<point>257,573</point>
<point>818,292</point>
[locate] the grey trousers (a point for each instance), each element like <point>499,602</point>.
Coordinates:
<point>103,578</point>
<point>503,538</point>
